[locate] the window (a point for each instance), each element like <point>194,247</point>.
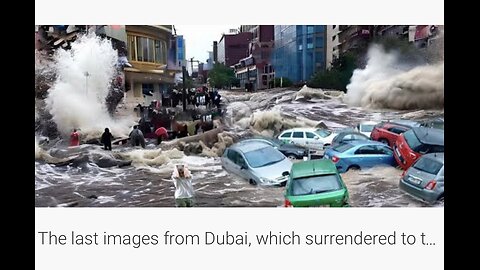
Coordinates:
<point>264,157</point>
<point>286,135</point>
<point>310,135</point>
<point>397,130</point>
<point>412,140</point>
<point>366,150</point>
<point>348,137</point>
<point>309,45</point>
<point>334,37</point>
<point>315,184</point>
<point>300,47</point>
<point>323,132</point>
<point>383,150</point>
<point>342,147</point>
<point>428,165</point>
<point>309,29</point>
<point>132,48</point>
<point>319,42</point>
<point>297,134</point>
<point>145,49</point>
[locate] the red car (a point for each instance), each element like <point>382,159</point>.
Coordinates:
<point>416,142</point>
<point>388,132</point>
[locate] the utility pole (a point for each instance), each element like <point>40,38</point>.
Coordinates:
<point>184,93</point>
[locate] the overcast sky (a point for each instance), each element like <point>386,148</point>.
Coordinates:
<point>199,38</point>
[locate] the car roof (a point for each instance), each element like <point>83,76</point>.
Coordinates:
<point>343,133</point>
<point>365,142</point>
<point>246,147</point>
<point>402,122</point>
<point>435,156</point>
<point>368,123</point>
<point>313,167</point>
<point>432,136</point>
<point>302,129</point>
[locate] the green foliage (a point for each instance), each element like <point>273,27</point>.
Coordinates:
<point>338,77</point>
<point>285,82</point>
<point>222,76</point>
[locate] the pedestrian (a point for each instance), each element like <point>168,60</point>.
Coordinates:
<point>184,192</point>
<point>74,138</point>
<point>161,133</point>
<point>107,139</point>
<point>136,137</point>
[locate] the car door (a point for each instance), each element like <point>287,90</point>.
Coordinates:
<point>393,134</point>
<point>232,162</point>
<point>286,137</point>
<point>298,137</point>
<point>367,156</point>
<point>385,154</point>
<point>312,140</point>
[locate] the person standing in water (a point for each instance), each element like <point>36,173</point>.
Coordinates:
<point>184,192</point>
<point>74,138</point>
<point>107,139</point>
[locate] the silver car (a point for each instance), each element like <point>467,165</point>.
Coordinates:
<point>258,162</point>
<point>425,179</point>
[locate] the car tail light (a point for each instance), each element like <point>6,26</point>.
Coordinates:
<point>288,203</point>
<point>403,173</point>
<point>431,185</point>
<point>335,159</point>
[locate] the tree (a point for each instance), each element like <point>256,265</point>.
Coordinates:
<point>221,76</point>
<point>338,77</point>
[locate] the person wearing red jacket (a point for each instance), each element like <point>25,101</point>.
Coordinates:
<point>74,138</point>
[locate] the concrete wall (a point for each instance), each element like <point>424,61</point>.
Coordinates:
<point>332,50</point>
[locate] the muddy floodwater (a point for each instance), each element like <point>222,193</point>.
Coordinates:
<point>88,185</point>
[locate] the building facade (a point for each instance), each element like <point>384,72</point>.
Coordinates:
<point>148,78</point>
<point>233,47</point>
<point>256,70</point>
<point>332,51</point>
<point>355,38</point>
<point>300,51</point>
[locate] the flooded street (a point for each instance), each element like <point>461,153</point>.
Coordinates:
<point>148,184</point>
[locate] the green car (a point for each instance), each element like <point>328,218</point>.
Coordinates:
<point>315,183</point>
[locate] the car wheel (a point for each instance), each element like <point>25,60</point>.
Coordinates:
<point>353,168</point>
<point>252,182</point>
<point>292,157</point>
<point>384,141</point>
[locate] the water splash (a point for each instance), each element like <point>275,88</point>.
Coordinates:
<point>77,98</point>
<point>387,83</point>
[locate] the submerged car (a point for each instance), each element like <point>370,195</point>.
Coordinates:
<point>344,137</point>
<point>257,162</point>
<point>315,183</point>
<point>292,151</point>
<point>360,155</point>
<point>313,138</point>
<point>425,178</point>
<point>388,132</point>
<point>412,144</point>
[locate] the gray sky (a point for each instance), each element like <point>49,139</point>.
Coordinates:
<point>199,38</point>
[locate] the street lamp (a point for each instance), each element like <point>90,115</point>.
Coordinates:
<point>86,82</point>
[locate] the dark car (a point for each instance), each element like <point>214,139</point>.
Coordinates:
<point>388,132</point>
<point>416,142</point>
<point>292,151</point>
<point>348,136</point>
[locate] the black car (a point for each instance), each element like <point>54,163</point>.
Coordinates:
<point>348,136</point>
<point>292,151</point>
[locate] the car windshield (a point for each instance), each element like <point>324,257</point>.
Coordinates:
<point>428,165</point>
<point>412,140</point>
<point>263,157</point>
<point>366,128</point>
<point>323,132</point>
<point>315,184</point>
<point>342,147</point>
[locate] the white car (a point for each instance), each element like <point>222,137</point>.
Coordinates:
<point>366,127</point>
<point>313,138</point>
